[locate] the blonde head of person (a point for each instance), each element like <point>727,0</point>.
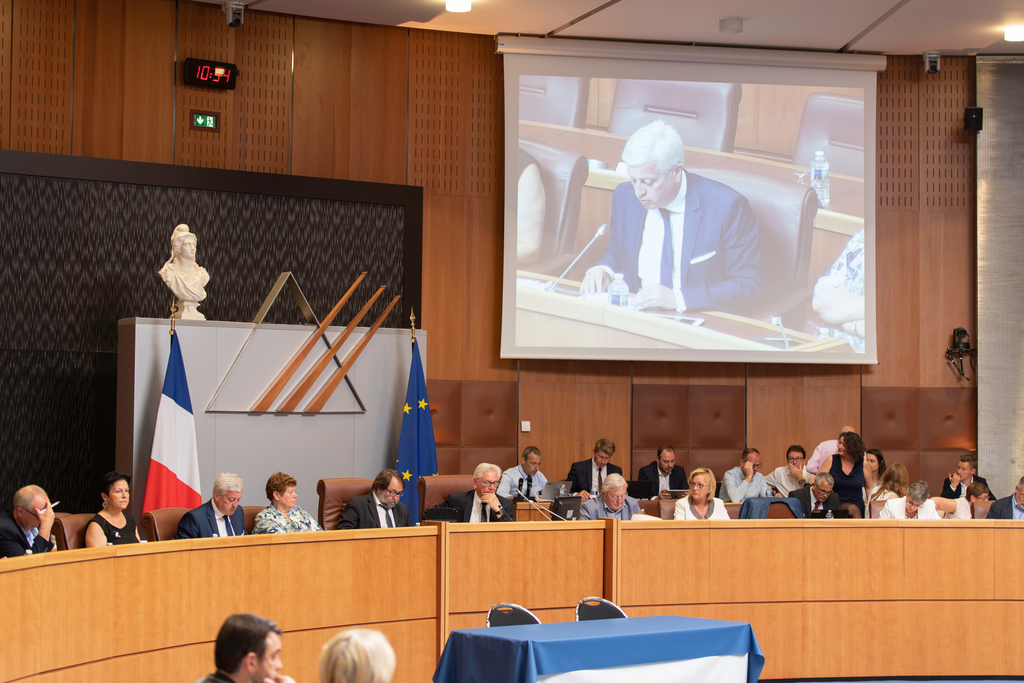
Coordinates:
<point>357,655</point>
<point>702,486</point>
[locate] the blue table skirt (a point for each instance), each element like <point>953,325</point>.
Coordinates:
<point>519,654</point>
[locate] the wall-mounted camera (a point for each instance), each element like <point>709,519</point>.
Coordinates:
<point>931,62</point>
<point>961,347</point>
<point>234,13</point>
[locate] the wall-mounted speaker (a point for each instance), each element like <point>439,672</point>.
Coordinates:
<point>972,118</point>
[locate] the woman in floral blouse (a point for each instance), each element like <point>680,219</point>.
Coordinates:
<point>283,516</point>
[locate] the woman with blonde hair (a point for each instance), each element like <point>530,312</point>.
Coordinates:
<point>357,655</point>
<point>894,484</point>
<point>701,503</point>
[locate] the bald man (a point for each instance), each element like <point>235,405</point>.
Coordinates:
<point>824,450</point>
<point>25,527</point>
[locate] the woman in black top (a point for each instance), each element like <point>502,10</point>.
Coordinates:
<point>847,469</point>
<point>112,525</point>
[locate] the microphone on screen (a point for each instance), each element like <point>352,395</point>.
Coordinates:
<point>600,231</point>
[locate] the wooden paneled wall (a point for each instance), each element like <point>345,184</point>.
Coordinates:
<point>397,105</point>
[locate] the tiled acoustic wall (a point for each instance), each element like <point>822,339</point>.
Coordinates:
<point>474,422</point>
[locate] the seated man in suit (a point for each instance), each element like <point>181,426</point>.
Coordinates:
<point>482,504</point>
<point>1011,507</point>
<point>248,648</point>
<point>817,496</point>
<point>613,501</point>
<point>379,509</point>
<point>25,527</point>
<point>587,475</point>
<point>744,481</point>
<point>525,478</point>
<point>681,241</point>
<point>955,485</point>
<point>664,473</point>
<point>789,477</point>
<point>914,506</point>
<point>219,516</point>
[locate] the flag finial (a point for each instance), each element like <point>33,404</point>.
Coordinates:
<point>412,320</point>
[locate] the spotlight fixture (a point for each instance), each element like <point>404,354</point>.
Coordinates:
<point>458,5</point>
<point>961,347</point>
<point>730,25</point>
<point>1013,34</point>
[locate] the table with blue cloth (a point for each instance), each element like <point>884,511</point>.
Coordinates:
<point>669,647</point>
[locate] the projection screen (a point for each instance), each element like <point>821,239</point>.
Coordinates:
<point>684,175</point>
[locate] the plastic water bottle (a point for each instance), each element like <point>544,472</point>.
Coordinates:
<point>819,178</point>
<point>618,291</point>
<point>563,490</point>
<point>829,515</point>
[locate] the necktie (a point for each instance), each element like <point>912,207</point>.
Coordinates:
<point>483,512</point>
<point>387,516</point>
<point>227,525</point>
<point>817,505</point>
<point>667,253</point>
<point>529,485</point>
<point>600,479</point>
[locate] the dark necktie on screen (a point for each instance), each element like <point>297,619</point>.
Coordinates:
<point>667,253</point>
<point>529,485</point>
<point>483,512</point>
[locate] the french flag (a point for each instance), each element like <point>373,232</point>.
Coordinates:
<point>174,463</point>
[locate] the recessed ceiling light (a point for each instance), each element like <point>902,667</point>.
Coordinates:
<point>1013,34</point>
<point>458,5</point>
<point>730,25</point>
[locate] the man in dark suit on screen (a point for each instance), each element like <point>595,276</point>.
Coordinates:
<point>681,241</point>
<point>482,504</point>
<point>220,516</point>
<point>379,509</point>
<point>819,496</point>
<point>587,476</point>
<point>664,473</point>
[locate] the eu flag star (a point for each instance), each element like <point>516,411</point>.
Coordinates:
<point>407,475</point>
<point>406,409</point>
<point>423,404</point>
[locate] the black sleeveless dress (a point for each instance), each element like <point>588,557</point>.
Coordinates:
<point>114,535</point>
<point>849,487</point>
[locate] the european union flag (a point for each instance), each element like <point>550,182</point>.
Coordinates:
<point>417,456</point>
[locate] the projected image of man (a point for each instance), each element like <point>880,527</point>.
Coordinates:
<point>681,241</point>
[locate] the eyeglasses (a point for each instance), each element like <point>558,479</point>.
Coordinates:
<point>488,484</point>
<point>393,494</point>
<point>755,467</point>
<point>827,492</point>
<point>698,487</point>
<point>28,511</point>
<point>796,459</point>
<point>615,497</point>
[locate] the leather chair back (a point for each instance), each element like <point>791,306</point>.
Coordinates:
<point>69,530</point>
<point>667,508</point>
<point>250,516</point>
<point>650,507</point>
<point>161,525</point>
<point>334,496</point>
<point>563,174</point>
<point>874,507</point>
<point>779,510</point>
<point>704,114</point>
<point>851,509</point>
<point>561,100</point>
<point>833,124</point>
<point>434,490</point>
<point>733,509</point>
<point>979,509</point>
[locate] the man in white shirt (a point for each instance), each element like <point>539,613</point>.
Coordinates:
<point>482,504</point>
<point>525,478</point>
<point>825,449</point>
<point>915,506</point>
<point>664,473</point>
<point>791,476</point>
<point>220,516</point>
<point>744,481</point>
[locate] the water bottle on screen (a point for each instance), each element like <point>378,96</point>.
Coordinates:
<point>819,177</point>
<point>618,291</point>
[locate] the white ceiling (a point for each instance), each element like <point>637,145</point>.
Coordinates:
<point>878,26</point>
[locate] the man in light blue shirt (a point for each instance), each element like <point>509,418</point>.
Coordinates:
<point>524,478</point>
<point>744,481</point>
<point>613,501</point>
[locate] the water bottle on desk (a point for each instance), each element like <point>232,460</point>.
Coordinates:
<point>563,490</point>
<point>829,515</point>
<point>819,178</point>
<point>618,291</point>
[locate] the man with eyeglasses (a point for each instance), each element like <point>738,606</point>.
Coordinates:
<point>745,481</point>
<point>791,476</point>
<point>819,496</point>
<point>482,504</point>
<point>25,527</point>
<point>379,509</point>
<point>1011,507</point>
<point>613,501</point>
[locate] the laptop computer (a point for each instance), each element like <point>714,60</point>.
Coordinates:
<point>567,507</point>
<point>439,514</point>
<point>641,490</point>
<point>836,514</point>
<point>553,488</point>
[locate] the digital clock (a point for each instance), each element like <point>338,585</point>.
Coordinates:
<point>220,75</point>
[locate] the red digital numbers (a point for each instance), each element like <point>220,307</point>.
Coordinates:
<point>215,75</point>
<point>212,74</point>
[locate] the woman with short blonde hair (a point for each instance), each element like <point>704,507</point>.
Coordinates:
<point>701,502</point>
<point>357,655</point>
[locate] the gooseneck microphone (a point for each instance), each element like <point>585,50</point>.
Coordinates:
<point>600,231</point>
<point>544,511</point>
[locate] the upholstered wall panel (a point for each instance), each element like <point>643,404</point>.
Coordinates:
<point>717,417</point>
<point>909,459</point>
<point>718,461</point>
<point>659,415</point>
<point>949,419</point>
<point>890,418</point>
<point>471,457</point>
<point>489,414</point>
<point>935,466</point>
<point>446,410</point>
<point>449,460</point>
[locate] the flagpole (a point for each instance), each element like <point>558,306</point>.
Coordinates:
<point>412,320</point>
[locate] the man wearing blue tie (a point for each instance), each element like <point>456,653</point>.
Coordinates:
<point>682,242</point>
<point>219,516</point>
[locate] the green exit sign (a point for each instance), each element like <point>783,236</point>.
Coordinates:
<point>204,120</point>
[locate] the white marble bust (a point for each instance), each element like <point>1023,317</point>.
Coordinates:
<point>184,276</point>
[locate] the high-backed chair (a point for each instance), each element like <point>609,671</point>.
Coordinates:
<point>874,507</point>
<point>779,510</point>
<point>591,609</point>
<point>561,100</point>
<point>69,530</point>
<point>667,508</point>
<point>833,124</point>
<point>562,174</point>
<point>979,509</point>
<point>510,614</point>
<point>704,114</point>
<point>733,509</point>
<point>785,213</point>
<point>161,525</point>
<point>334,496</point>
<point>650,507</point>
<point>434,490</point>
<point>851,510</point>
<point>250,515</point>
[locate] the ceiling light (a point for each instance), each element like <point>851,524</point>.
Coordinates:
<point>730,25</point>
<point>1013,34</point>
<point>458,5</point>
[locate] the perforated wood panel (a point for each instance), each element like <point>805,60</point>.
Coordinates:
<point>41,65</point>
<point>263,98</point>
<point>455,114</point>
<point>898,152</point>
<point>947,150</point>
<point>5,73</point>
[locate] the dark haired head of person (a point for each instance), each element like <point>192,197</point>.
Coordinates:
<point>242,635</point>
<point>108,480</point>
<point>854,446</point>
<point>880,458</point>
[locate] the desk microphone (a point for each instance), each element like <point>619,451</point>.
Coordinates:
<point>543,511</point>
<point>600,231</point>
